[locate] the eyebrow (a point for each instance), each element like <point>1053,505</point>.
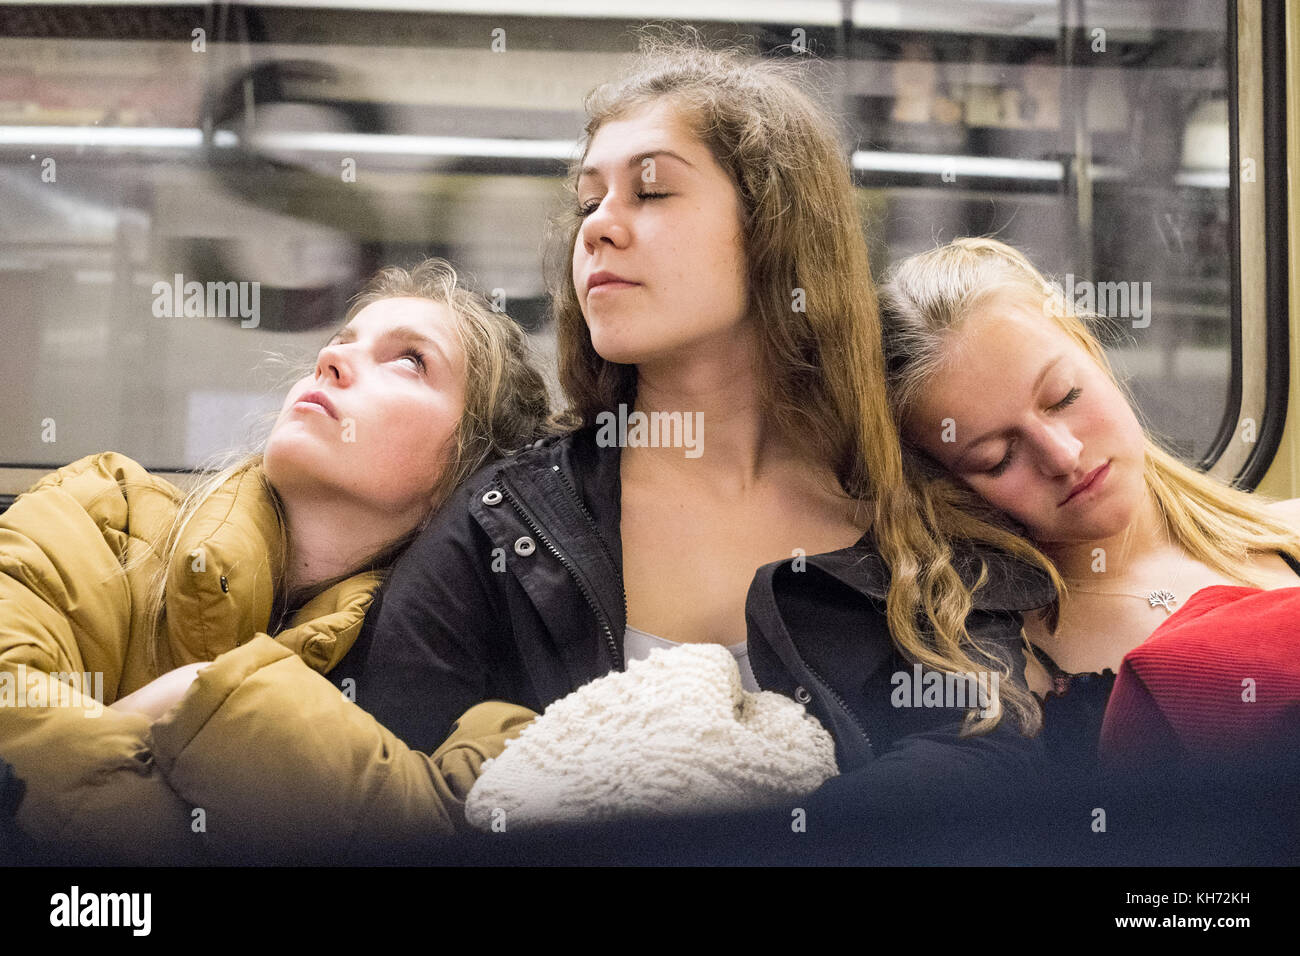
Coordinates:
<point>403,333</point>
<point>976,442</point>
<point>635,161</point>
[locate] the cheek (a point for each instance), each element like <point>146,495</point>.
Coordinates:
<point>729,250</point>
<point>277,429</point>
<point>578,266</point>
<point>577,260</point>
<point>711,268</point>
<point>418,430</point>
<point>1016,494</point>
<point>1135,436</point>
<point>302,385</point>
<point>403,452</point>
<point>1005,494</point>
<point>1110,417</point>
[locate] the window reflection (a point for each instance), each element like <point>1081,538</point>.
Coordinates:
<point>300,149</point>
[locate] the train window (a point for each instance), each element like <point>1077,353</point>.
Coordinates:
<point>186,187</point>
<point>1121,145</point>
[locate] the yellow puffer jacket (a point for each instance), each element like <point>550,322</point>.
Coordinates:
<point>263,758</point>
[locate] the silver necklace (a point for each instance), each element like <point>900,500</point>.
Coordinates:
<point>1157,597</point>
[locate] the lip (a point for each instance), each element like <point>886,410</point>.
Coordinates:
<point>1091,482</point>
<point>317,400</point>
<point>608,280</point>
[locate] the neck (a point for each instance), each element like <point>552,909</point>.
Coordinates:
<point>718,384</point>
<point>328,537</point>
<point>1144,536</point>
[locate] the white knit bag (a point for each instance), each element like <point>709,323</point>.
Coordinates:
<point>674,733</point>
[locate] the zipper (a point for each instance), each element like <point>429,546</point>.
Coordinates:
<point>842,702</point>
<point>582,506</point>
<point>577,499</point>
<point>615,654</point>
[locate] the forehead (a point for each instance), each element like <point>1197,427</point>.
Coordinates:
<point>993,357</point>
<point>432,320</point>
<point>1009,326</point>
<point>422,314</point>
<point>657,125</point>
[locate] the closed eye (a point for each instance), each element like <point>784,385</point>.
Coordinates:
<point>1070,397</point>
<point>1004,464</point>
<point>587,208</point>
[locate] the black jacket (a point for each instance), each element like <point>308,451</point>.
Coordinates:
<point>515,592</point>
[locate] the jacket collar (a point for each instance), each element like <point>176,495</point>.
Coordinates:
<point>559,479</point>
<point>221,583</point>
<point>1010,585</point>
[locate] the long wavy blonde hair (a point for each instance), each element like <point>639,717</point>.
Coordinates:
<point>506,406</point>
<point>822,370</point>
<point>927,297</point>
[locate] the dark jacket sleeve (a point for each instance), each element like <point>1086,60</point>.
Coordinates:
<point>428,650</point>
<point>895,758</point>
<point>935,798</point>
<point>938,773</point>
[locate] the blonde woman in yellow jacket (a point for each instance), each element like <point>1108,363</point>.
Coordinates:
<point>116,590</point>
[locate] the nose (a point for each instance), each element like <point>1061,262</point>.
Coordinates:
<point>1058,449</point>
<point>605,225</point>
<point>334,362</point>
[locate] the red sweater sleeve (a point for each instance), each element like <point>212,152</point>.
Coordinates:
<point>1219,680</point>
<point>1134,731</point>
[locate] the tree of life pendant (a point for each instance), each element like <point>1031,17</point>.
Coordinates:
<point>1164,599</point>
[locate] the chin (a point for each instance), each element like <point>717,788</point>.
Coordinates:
<point>297,463</point>
<point>618,356</point>
<point>617,349</point>
<point>1099,528</point>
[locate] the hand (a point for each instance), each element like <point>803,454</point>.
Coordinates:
<point>156,698</point>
